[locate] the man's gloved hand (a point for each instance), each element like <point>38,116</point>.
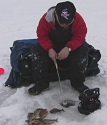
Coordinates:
<point>89,101</point>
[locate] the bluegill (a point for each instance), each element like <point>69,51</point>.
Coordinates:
<point>37,111</point>
<point>43,121</point>
<point>49,121</point>
<point>43,113</point>
<point>30,117</point>
<point>36,122</point>
<point>33,115</point>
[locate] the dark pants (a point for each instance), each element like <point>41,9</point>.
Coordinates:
<point>76,62</point>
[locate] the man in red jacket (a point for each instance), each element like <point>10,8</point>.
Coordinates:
<point>61,33</point>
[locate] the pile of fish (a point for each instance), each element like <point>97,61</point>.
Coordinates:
<point>38,117</point>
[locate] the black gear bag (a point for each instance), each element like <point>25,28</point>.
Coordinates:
<point>89,101</point>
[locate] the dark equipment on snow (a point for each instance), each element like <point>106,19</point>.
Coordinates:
<point>89,101</point>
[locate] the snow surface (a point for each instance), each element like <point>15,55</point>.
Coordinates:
<point>18,20</point>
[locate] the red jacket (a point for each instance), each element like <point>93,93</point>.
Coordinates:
<point>47,22</point>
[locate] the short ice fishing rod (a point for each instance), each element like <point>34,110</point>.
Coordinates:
<point>59,79</point>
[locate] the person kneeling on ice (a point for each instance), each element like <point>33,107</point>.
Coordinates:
<point>61,33</point>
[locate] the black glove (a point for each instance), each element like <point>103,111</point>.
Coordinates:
<point>89,101</point>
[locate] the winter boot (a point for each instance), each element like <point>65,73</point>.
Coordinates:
<point>38,88</point>
<point>80,87</point>
<point>93,72</point>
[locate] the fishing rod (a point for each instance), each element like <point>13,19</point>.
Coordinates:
<point>59,79</point>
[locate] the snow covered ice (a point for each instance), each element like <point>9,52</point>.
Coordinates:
<point>18,20</point>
